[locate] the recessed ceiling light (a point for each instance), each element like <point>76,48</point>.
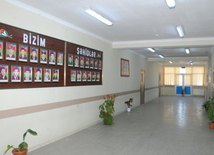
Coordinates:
<point>171,3</point>
<point>180,31</point>
<point>187,51</point>
<point>151,49</point>
<point>161,56</point>
<point>170,62</point>
<point>99,17</point>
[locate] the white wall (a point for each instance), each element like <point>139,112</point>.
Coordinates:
<point>54,124</point>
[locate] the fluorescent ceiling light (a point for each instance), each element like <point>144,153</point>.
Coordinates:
<point>187,51</point>
<point>170,62</point>
<point>99,17</point>
<point>171,3</point>
<point>180,31</point>
<point>151,49</point>
<point>161,56</point>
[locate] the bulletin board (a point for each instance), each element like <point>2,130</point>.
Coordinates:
<point>84,65</point>
<point>30,59</point>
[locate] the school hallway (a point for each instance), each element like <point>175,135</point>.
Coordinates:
<point>168,125</point>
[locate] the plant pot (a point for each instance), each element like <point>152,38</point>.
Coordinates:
<point>129,109</point>
<point>108,120</point>
<point>211,125</point>
<point>24,152</point>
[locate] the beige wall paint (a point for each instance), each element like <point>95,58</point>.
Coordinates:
<point>54,124</point>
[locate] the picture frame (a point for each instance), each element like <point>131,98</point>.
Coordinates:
<point>1,49</point>
<point>23,53</point>
<point>47,75</point>
<point>79,75</point>
<point>87,62</point>
<point>89,76</point>
<point>60,58</point>
<point>91,63</point>
<point>100,64</point>
<point>73,75</point>
<point>76,61</point>
<point>52,57</point>
<point>37,74</point>
<point>96,61</point>
<point>15,73</point>
<point>98,76</point>
<point>34,54</point>
<point>43,56</point>
<point>82,61</point>
<point>84,76</point>
<point>10,51</point>
<point>27,74</point>
<point>4,73</point>
<point>70,60</point>
<point>124,68</point>
<point>93,76</point>
<point>55,75</point>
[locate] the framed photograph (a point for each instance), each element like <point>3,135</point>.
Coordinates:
<point>82,62</point>
<point>99,55</point>
<point>98,76</point>
<point>47,75</point>
<point>87,62</point>
<point>93,76</point>
<point>73,75</point>
<point>70,60</point>
<point>37,74</point>
<point>59,58</point>
<point>43,56</point>
<point>23,53</point>
<point>52,57</point>
<point>100,64</point>
<point>34,54</point>
<point>15,73</point>
<point>1,49</point>
<point>124,68</point>
<point>92,63</point>
<point>27,74</point>
<point>3,73</point>
<point>88,76</point>
<point>55,75</point>
<point>79,75</point>
<point>10,51</point>
<point>84,76</point>
<point>96,61</point>
<point>76,61</point>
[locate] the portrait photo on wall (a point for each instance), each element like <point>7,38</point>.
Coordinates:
<point>100,64</point>
<point>73,75</point>
<point>96,64</point>
<point>37,74</point>
<point>52,57</point>
<point>1,49</point>
<point>15,73</point>
<point>23,53</point>
<point>70,60</point>
<point>55,75</point>
<point>98,76</point>
<point>84,75</point>
<point>43,56</point>
<point>93,76</point>
<point>10,51</point>
<point>3,73</point>
<point>34,54</point>
<point>79,75</point>
<point>59,58</point>
<point>88,76</point>
<point>76,61</point>
<point>82,62</point>
<point>91,63</point>
<point>47,75</point>
<point>27,74</point>
<point>87,62</point>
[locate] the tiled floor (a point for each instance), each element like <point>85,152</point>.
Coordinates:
<point>165,126</point>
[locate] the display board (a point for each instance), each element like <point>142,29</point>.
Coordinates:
<point>83,65</point>
<point>29,59</point>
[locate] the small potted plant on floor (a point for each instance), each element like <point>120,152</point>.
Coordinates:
<point>107,109</point>
<point>210,111</point>
<point>23,146</point>
<point>128,103</point>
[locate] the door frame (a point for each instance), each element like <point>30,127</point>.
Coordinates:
<point>142,87</point>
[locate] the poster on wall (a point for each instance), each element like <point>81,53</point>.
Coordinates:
<point>98,76</point>
<point>76,61</point>
<point>93,76</point>
<point>3,73</point>
<point>55,75</point>
<point>10,51</point>
<point>15,73</point>
<point>79,75</point>
<point>89,76</point>
<point>37,74</point>
<point>96,63</point>
<point>43,56</point>
<point>100,64</point>
<point>60,58</point>
<point>84,76</point>
<point>47,75</point>
<point>33,54</point>
<point>27,74</point>
<point>82,61</point>
<point>87,62</point>
<point>91,63</point>
<point>52,57</point>
<point>23,53</point>
<point>1,49</point>
<point>73,75</point>
<point>70,60</point>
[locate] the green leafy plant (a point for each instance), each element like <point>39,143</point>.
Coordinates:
<point>107,109</point>
<point>23,144</point>
<point>128,103</point>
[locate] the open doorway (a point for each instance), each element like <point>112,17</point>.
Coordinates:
<point>142,87</point>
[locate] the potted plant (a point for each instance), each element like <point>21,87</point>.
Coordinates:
<point>23,146</point>
<point>210,111</point>
<point>107,109</point>
<point>128,103</point>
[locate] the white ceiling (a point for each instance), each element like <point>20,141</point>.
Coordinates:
<point>138,20</point>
